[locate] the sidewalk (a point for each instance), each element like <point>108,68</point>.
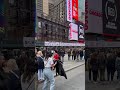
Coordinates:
<point>68,65</point>
<point>106,85</point>
<point>71,64</point>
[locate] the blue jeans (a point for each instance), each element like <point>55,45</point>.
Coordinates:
<point>49,79</point>
<point>40,74</point>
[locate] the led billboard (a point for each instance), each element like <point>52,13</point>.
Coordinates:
<point>75,9</point>
<point>111,17</point>
<point>69,10</point>
<point>73,31</point>
<point>72,10</point>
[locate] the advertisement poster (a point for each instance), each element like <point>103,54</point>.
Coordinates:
<point>110,17</point>
<point>75,9</point>
<point>73,31</point>
<point>80,32</point>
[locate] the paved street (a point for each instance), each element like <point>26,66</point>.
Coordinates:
<point>75,81</point>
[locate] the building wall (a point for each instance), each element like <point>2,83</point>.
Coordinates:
<point>51,31</point>
<point>45,7</point>
<point>19,18</point>
<point>54,26</point>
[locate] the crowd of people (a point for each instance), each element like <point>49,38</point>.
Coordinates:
<point>48,62</point>
<point>102,63</point>
<point>13,66</point>
<point>19,66</point>
<point>75,54</point>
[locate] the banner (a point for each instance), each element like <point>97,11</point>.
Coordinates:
<point>69,10</point>
<point>29,42</point>
<point>62,44</point>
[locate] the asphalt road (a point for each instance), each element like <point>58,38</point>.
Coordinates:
<point>75,81</point>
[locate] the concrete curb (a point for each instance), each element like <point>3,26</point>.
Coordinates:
<point>74,67</point>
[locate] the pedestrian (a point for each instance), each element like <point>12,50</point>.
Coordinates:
<point>21,61</point>
<point>81,54</point>
<point>117,65</point>
<point>62,54</point>
<point>77,54</point>
<point>56,57</point>
<point>48,74</point>
<point>110,66</point>
<point>89,67</point>
<point>102,65</point>
<point>94,66</point>
<point>40,60</point>
<point>69,54</point>
<point>74,54</point>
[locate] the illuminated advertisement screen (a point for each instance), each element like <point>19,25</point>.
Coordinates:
<point>73,31</point>
<point>1,14</point>
<point>75,9</point>
<point>72,10</point>
<point>69,10</point>
<point>111,16</point>
<point>80,32</point>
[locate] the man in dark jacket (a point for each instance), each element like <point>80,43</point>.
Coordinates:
<point>74,54</point>
<point>69,54</point>
<point>81,54</point>
<point>110,66</point>
<point>62,54</point>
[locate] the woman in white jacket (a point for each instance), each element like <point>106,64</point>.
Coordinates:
<point>48,74</point>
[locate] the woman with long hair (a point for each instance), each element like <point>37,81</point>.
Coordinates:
<point>48,74</point>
